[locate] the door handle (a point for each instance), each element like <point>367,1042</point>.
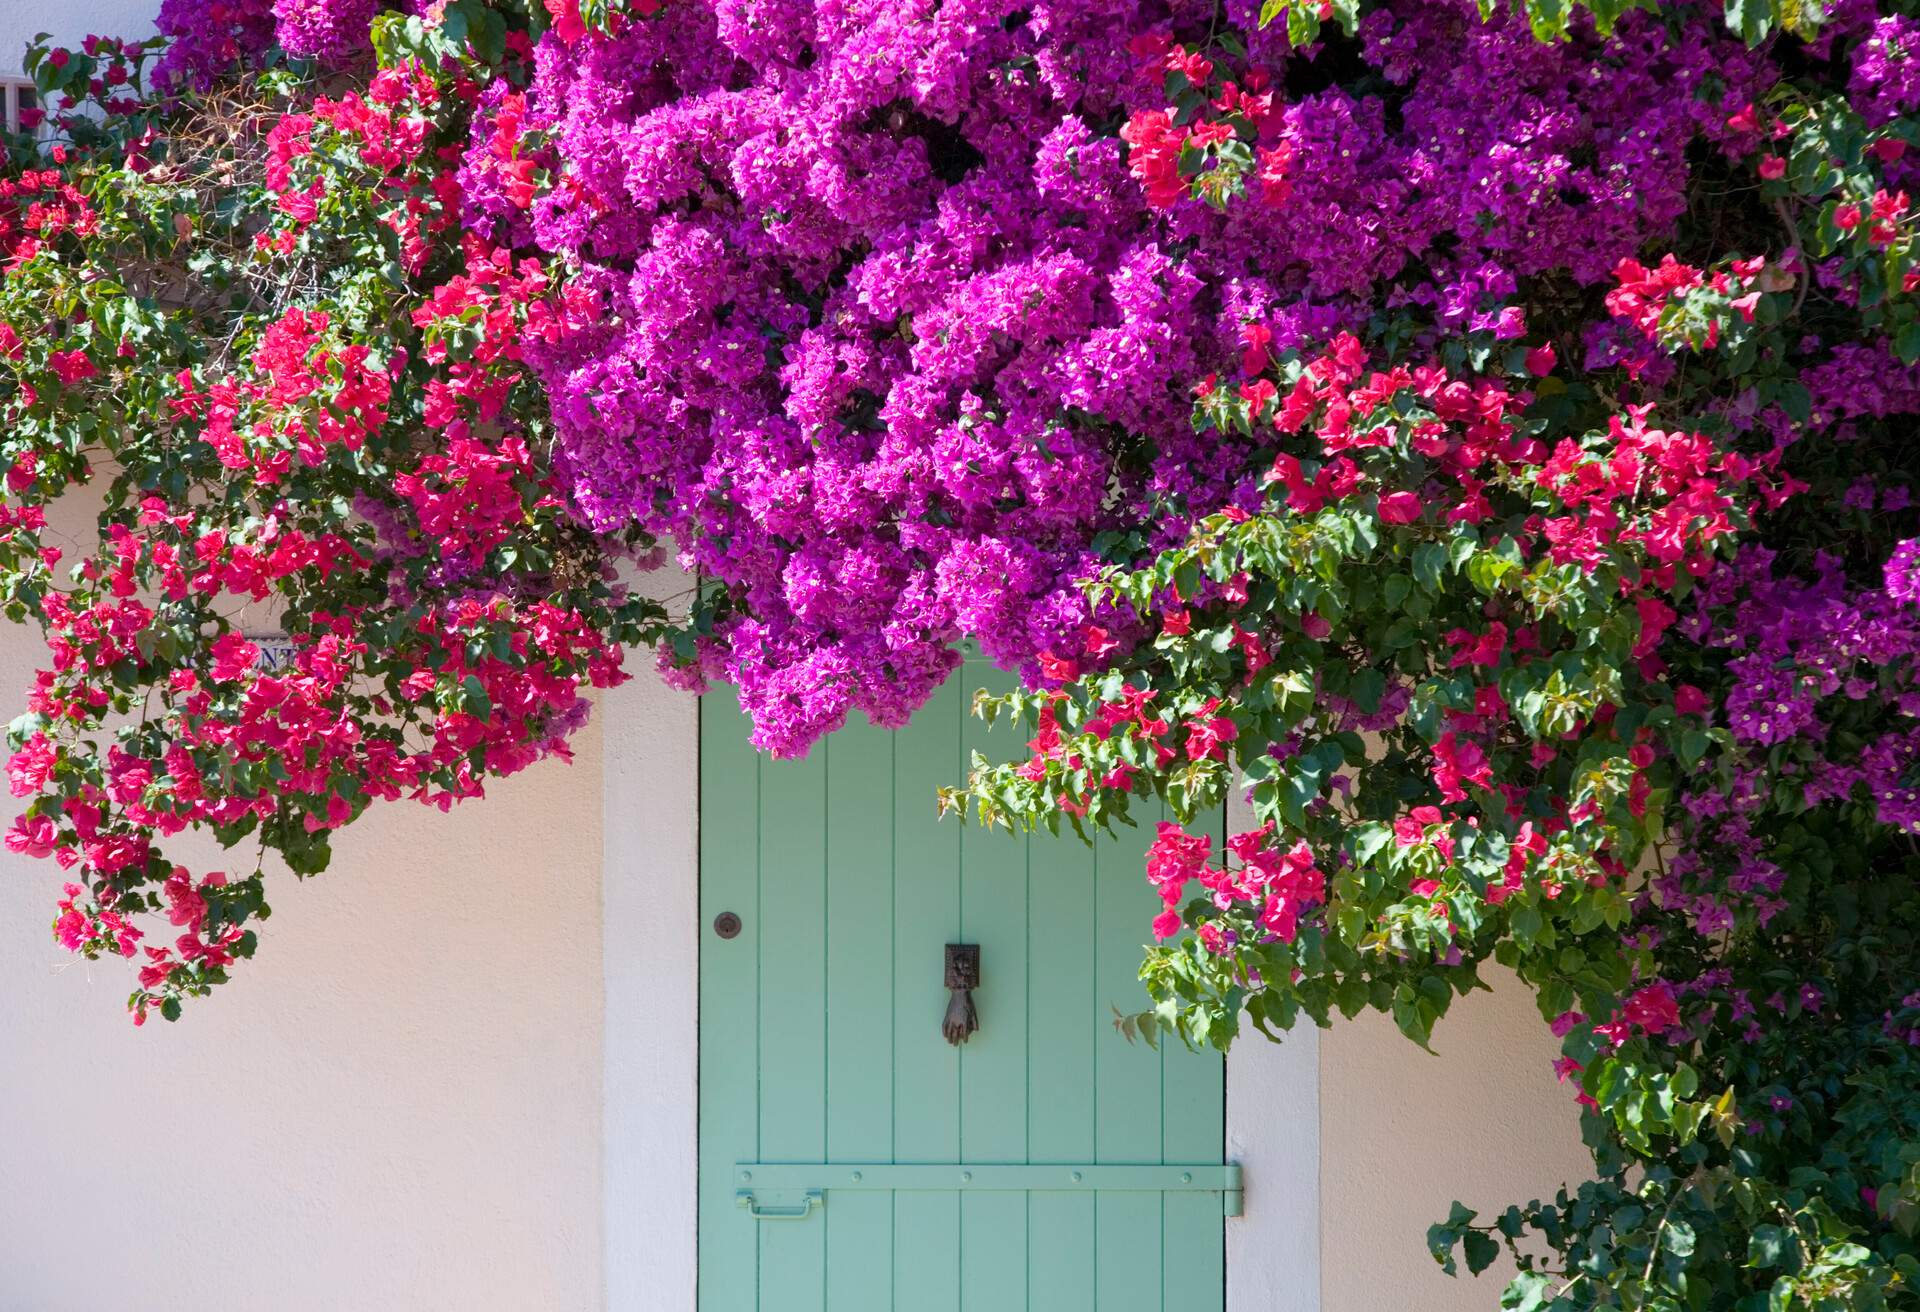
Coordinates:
<point>963,977</point>
<point>810,1200</point>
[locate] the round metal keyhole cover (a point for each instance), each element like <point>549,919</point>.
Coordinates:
<point>726,924</point>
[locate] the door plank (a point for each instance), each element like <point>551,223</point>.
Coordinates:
<point>993,1252</point>
<point>1127,1115</point>
<point>994,1078</point>
<point>926,1251</point>
<point>859,973</point>
<point>1060,1253</point>
<point>793,1014</point>
<point>1127,1259</point>
<point>1062,915</point>
<point>729,1003</point>
<point>1126,1075</point>
<point>1061,990</point>
<point>926,1070</point>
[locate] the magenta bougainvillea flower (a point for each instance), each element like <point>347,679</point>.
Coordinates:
<point>323,29</point>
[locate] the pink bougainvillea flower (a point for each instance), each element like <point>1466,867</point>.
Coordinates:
<point>71,366</point>
<point>567,24</point>
<point>1400,507</point>
<point>1653,1008</point>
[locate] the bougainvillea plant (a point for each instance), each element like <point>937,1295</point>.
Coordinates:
<point>249,331</point>
<point>1576,634</point>
<point>1465,436</point>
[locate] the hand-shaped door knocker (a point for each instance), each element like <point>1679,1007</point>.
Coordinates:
<point>963,977</point>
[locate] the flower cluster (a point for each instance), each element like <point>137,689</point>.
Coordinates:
<point>206,38</point>
<point>902,374</point>
<point>1274,887</point>
<point>1402,500</point>
<point>323,29</point>
<point>347,454</point>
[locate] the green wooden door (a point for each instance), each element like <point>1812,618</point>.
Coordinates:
<point>895,1170</point>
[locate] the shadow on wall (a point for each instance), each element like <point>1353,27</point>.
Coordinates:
<point>1404,1133</point>
<point>396,1105</point>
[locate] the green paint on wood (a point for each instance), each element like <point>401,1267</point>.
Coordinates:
<point>820,1042</point>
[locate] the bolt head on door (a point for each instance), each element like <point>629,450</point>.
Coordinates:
<point>726,925</point>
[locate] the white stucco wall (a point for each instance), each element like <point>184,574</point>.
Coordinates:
<point>650,892</point>
<point>1405,1132</point>
<point>396,1105</point>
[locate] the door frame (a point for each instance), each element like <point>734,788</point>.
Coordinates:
<point>650,941</point>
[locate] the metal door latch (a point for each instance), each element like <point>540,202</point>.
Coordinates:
<point>797,1211</point>
<point>963,977</point>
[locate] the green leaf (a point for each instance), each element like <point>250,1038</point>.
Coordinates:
<point>1527,1292</point>
<point>1685,1081</point>
<point>1429,565</point>
<point>1607,12</point>
<point>1351,997</point>
<point>1906,342</point>
<point>1769,1245</point>
<point>1481,1251</point>
<point>1366,690</point>
<point>1548,18</point>
<point>1527,924</point>
<point>1371,839</point>
<point>1751,19</point>
<point>1485,570</point>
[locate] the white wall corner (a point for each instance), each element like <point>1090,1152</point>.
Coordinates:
<point>650,903</point>
<point>1273,1132</point>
